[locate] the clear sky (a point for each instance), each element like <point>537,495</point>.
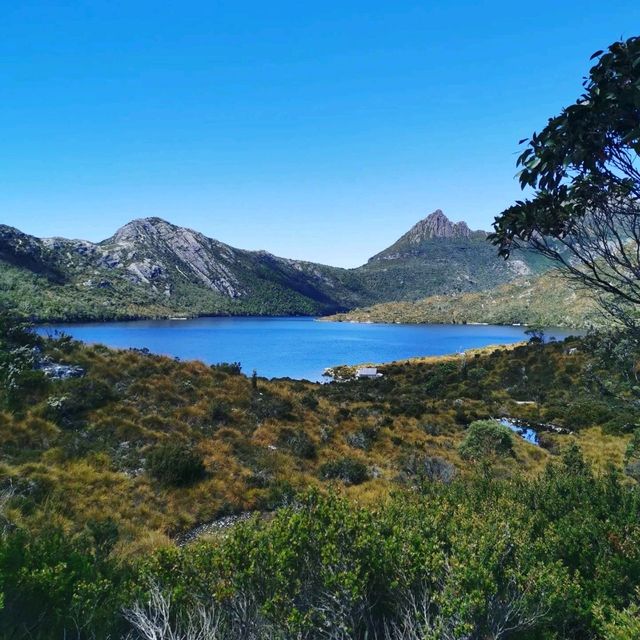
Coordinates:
<point>316,130</point>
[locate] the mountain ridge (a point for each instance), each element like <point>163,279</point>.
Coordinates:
<point>151,267</point>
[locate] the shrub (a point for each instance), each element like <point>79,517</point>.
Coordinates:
<point>266,405</point>
<point>175,464</point>
<point>349,470</point>
<point>428,468</point>
<point>231,368</point>
<point>363,438</point>
<point>298,442</point>
<point>80,395</point>
<point>309,401</point>
<point>486,438</point>
<point>220,412</point>
<point>407,405</point>
<point>622,423</point>
<point>279,494</point>
<point>431,429</point>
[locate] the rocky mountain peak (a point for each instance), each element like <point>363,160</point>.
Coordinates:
<point>436,225</point>
<point>142,229</point>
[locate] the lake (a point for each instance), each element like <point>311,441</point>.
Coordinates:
<point>293,347</point>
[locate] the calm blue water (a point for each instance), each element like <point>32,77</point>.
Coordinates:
<point>293,347</point>
<point>526,433</point>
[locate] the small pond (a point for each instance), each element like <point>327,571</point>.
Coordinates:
<point>525,432</point>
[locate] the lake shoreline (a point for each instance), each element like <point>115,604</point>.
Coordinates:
<point>295,347</point>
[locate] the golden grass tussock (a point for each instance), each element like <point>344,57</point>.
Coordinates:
<point>87,457</point>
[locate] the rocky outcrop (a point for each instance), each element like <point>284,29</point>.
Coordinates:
<point>155,252</point>
<point>436,225</point>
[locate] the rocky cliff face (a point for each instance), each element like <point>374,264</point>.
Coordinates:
<point>436,225</point>
<point>156,252</point>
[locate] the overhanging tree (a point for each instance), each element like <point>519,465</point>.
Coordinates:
<point>584,170</point>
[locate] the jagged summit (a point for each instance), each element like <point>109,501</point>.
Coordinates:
<point>145,228</point>
<point>436,225</point>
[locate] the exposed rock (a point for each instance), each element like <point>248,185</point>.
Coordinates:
<point>436,225</point>
<point>519,267</point>
<point>61,371</point>
<point>214,526</point>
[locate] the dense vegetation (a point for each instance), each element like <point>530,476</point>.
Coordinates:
<point>557,556</point>
<point>111,298</point>
<point>547,301</point>
<point>427,517</point>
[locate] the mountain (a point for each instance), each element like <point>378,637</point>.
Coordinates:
<point>437,256</point>
<point>152,268</point>
<point>435,226</point>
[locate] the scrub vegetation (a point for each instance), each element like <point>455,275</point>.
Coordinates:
<point>548,300</point>
<point>389,506</point>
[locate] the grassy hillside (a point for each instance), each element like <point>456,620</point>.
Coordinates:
<point>102,472</point>
<point>79,447</point>
<point>546,300</point>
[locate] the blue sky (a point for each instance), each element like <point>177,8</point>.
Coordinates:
<point>320,131</point>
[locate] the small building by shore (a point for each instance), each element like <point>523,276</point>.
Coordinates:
<point>368,372</point>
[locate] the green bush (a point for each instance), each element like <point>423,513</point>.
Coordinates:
<point>298,442</point>
<point>230,368</point>
<point>309,401</point>
<point>484,439</point>
<point>267,405</point>
<point>175,464</point>
<point>58,586</point>
<point>586,413</point>
<point>349,470</point>
<point>220,412</point>
<point>468,552</point>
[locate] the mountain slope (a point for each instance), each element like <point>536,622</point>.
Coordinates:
<point>547,300</point>
<point>151,267</point>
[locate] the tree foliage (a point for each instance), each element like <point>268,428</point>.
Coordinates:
<point>486,439</point>
<point>583,169</point>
